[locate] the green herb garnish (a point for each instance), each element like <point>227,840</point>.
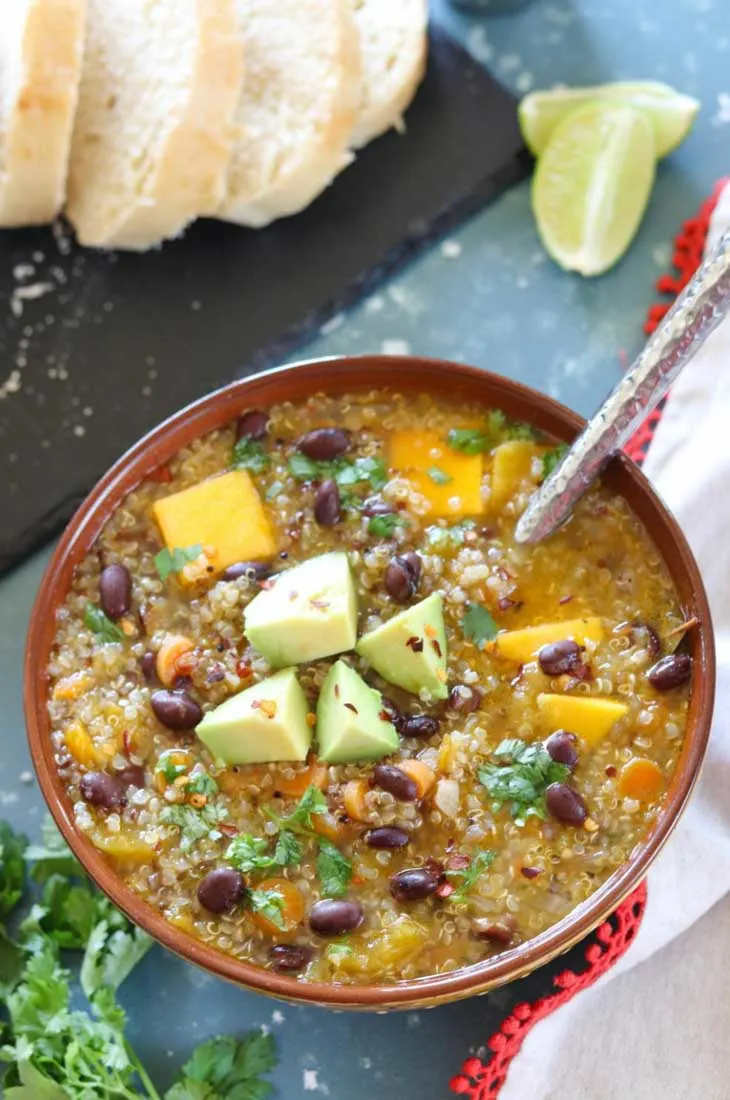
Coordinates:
<point>274,490</point>
<point>346,472</point>
<point>334,870</point>
<point>269,903</point>
<point>12,868</point>
<point>175,560</point>
<point>478,625</point>
<point>497,429</point>
<point>384,526</point>
<point>249,853</point>
<point>337,951</point>
<point>469,875</point>
<point>300,819</point>
<point>170,770</point>
<point>520,778</point>
<point>226,1068</point>
<point>288,850</point>
<point>553,458</point>
<point>102,625</point>
<point>469,441</point>
<point>439,476</point>
<point>195,824</point>
<point>454,536</point>
<point>202,783</point>
<point>250,455</point>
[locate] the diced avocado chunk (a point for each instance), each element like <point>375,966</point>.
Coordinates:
<point>410,649</point>
<point>309,613</point>
<point>265,722</point>
<point>351,722</point>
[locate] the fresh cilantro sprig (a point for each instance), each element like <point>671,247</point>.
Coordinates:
<point>250,455</point>
<point>101,625</point>
<point>269,903</point>
<point>228,1068</point>
<point>174,561</point>
<point>522,774</point>
<point>469,875</point>
<point>333,868</point>
<point>12,868</point>
<point>195,823</point>
<point>299,820</point>
<point>478,625</point>
<point>553,458</point>
<point>249,853</point>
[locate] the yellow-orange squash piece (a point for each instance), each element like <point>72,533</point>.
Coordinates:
<point>522,645</point>
<point>453,486</point>
<point>124,848</point>
<point>73,686</point>
<point>512,464</point>
<point>642,780</point>
<point>81,747</point>
<point>223,514</point>
<point>387,949</point>
<point>291,912</point>
<point>590,717</point>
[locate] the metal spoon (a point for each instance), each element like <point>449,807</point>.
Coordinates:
<point>697,312</point>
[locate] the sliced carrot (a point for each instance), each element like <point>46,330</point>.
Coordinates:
<point>353,797</point>
<point>292,911</point>
<point>314,775</point>
<point>169,655</point>
<point>642,780</point>
<point>421,775</point>
<point>327,825</point>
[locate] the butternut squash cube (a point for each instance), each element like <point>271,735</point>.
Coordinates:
<point>522,645</point>
<point>511,466</point>
<point>449,481</point>
<point>81,747</point>
<point>124,848</point>
<point>590,717</point>
<point>224,515</point>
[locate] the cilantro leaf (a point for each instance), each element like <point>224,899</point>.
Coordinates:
<point>288,851</point>
<point>67,914</point>
<point>12,963</point>
<point>274,489</point>
<point>384,526</point>
<point>439,476</point>
<point>522,775</point>
<point>53,856</point>
<point>478,625</point>
<point>167,766</point>
<point>306,469</point>
<point>112,952</point>
<point>250,853</point>
<point>269,903</point>
<point>250,455</point>
<point>454,536</point>
<point>469,441</point>
<point>334,870</point>
<point>497,429</point>
<point>311,802</point>
<point>194,824</point>
<point>478,864</point>
<point>202,783</point>
<point>102,625</point>
<point>227,1069</point>
<point>370,470</point>
<point>12,868</point>
<point>551,459</point>
<point>174,561</point>
<point>337,951</point>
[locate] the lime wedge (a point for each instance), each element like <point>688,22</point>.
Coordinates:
<point>671,113</point>
<point>592,184</point>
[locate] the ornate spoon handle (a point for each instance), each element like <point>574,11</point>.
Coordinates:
<point>697,312</point>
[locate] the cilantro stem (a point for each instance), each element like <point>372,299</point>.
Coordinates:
<point>141,1072</point>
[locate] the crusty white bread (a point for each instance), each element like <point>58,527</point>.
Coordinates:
<point>154,127</point>
<point>393,46</point>
<point>41,45</point>
<point>300,96</point>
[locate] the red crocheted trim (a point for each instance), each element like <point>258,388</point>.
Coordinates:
<point>484,1082</point>
<point>480,1081</point>
<point>688,248</point>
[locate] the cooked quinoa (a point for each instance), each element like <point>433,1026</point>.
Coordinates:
<point>495,853</point>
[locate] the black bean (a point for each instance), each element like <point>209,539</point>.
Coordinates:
<point>565,804</point>
<point>332,916</point>
<point>390,712</point>
<point>324,443</point>
<point>501,931</point>
<point>149,667</point>
<point>418,725</point>
<point>327,504</point>
<point>290,956</point>
<point>563,747</point>
<point>387,836</point>
<point>414,883</point>
<point>558,658</point>
<point>414,563</point>
<point>392,779</point>
<point>401,579</point>
<point>252,425</point>
<point>376,506</point>
<point>221,890</point>
<point>175,710</point>
<point>102,790</point>
<point>465,699</point>
<point>642,634</point>
<point>670,672</point>
<point>253,570</point>
<point>115,590</point>
<point>131,776</point>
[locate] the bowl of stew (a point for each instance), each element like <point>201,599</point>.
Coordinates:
<point>308,714</point>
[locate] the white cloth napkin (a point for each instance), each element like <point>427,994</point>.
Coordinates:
<point>657,1026</point>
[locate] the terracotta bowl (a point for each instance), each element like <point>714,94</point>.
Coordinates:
<point>339,376</point>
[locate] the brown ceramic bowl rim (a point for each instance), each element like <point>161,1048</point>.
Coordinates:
<point>340,375</point>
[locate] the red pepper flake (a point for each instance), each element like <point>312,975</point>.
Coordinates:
<point>357,880</point>
<point>227,829</point>
<point>458,861</point>
<point>244,670</point>
<point>128,742</point>
<point>445,890</point>
<point>337,691</point>
<point>610,771</point>
<point>415,643</point>
<point>163,475</point>
<point>384,716</point>
<point>435,866</point>
<point>505,603</point>
<point>437,647</point>
<point>565,599</point>
<point>266,585</point>
<point>530,872</point>
<point>352,707</point>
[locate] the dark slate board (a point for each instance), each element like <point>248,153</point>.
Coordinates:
<point>116,342</point>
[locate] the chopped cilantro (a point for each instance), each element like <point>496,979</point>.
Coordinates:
<point>250,853</point>
<point>334,870</point>
<point>478,625</point>
<point>170,770</point>
<point>478,864</point>
<point>439,476</point>
<point>102,625</point>
<point>194,824</point>
<point>311,802</point>
<point>274,490</point>
<point>384,526</point>
<point>454,536</point>
<point>175,560</point>
<point>202,783</point>
<point>306,469</point>
<point>553,458</point>
<point>469,441</point>
<point>522,775</point>
<point>250,455</point>
<point>269,903</point>
<point>337,951</point>
<point>288,851</point>
<point>346,472</point>
<point>497,429</point>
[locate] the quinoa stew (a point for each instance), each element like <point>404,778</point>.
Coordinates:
<point>317,707</point>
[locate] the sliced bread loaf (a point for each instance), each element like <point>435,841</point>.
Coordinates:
<point>154,128</point>
<point>41,45</point>
<point>393,45</point>
<point>298,105</point>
